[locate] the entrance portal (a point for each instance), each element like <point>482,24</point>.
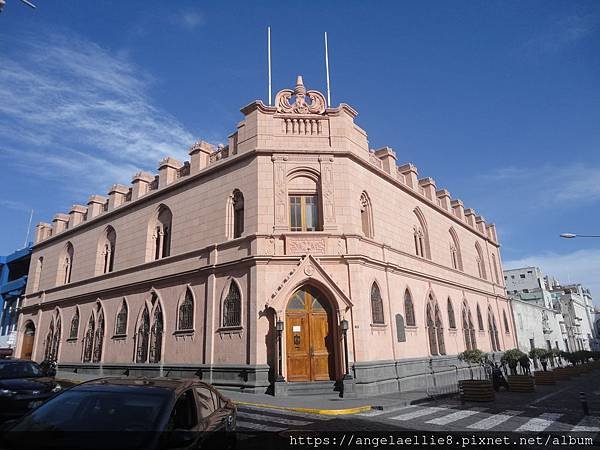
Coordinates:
<point>28,337</point>
<point>309,337</point>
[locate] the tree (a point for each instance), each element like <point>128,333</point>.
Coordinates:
<point>512,358</point>
<point>541,354</point>
<point>473,357</point>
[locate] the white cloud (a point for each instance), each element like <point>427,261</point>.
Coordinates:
<point>581,266</point>
<point>562,33</point>
<point>189,20</point>
<point>70,109</point>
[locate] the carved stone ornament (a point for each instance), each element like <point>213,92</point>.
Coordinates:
<point>300,106</point>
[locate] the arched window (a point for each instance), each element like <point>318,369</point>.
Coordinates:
<point>409,310</point>
<point>49,340</point>
<point>480,262</point>
<point>186,312</point>
<point>451,319</point>
<point>121,321</point>
<point>161,236</point>
<point>99,337</point>
<point>238,214</point>
<point>156,334</point>
<point>479,319</point>
<point>376,305</point>
<point>38,273</point>
<point>495,266</point>
<point>421,235</point>
<point>232,307</point>
<point>107,250</point>
<point>304,202</point>
<point>74,325</point>
<point>468,328</point>
<point>455,253</point>
<point>53,338</point>
<point>506,327</point>
<point>431,331</point>
<point>366,215</point>
<point>435,327</point>
<point>439,329</point>
<point>493,332</point>
<point>67,264</point>
<point>143,337</point>
<point>88,342</point>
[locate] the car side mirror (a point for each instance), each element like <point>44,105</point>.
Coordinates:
<point>181,438</point>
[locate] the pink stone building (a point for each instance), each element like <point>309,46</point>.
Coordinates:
<point>295,228</point>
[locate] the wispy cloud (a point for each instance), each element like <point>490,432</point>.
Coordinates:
<point>563,32</point>
<point>581,266</point>
<point>14,205</point>
<point>71,108</point>
<point>189,20</point>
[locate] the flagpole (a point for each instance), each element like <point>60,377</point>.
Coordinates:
<point>28,229</point>
<point>327,72</point>
<point>269,57</point>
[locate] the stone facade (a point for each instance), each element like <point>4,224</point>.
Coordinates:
<point>296,200</point>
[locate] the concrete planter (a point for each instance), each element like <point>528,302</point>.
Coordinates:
<point>542,377</point>
<point>562,373</point>
<point>521,383</point>
<point>476,390</point>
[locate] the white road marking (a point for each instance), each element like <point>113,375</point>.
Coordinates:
<point>276,419</point>
<point>588,423</point>
<point>257,426</point>
<point>378,412</point>
<point>419,413</point>
<point>495,420</point>
<point>539,423</point>
<point>453,417</point>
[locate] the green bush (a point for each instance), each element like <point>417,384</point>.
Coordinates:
<point>474,356</point>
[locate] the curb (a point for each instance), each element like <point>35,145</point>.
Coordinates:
<point>325,412</point>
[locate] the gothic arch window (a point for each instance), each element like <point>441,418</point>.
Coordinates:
<point>376,305</point>
<point>495,267</point>
<point>451,318</point>
<point>480,262</point>
<point>506,327</point>
<point>468,328</point>
<point>49,340</point>
<point>493,331</point>
<point>121,320</point>
<point>66,265</point>
<point>409,310</point>
<point>433,349</point>
<point>235,215</point>
<point>421,236</point>
<point>455,253</point>
<point>38,273</point>
<point>366,215</point>
<point>98,337</point>
<point>439,329</point>
<point>185,318</point>
<point>107,247</point>
<point>142,337</point>
<point>232,306</point>
<point>156,335</point>
<point>479,319</point>
<point>161,233</point>
<point>88,341</point>
<point>303,195</point>
<point>74,331</point>
<point>53,338</point>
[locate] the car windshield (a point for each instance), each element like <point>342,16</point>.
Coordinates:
<point>25,369</point>
<point>99,411</point>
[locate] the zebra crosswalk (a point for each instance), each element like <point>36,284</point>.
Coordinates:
<point>254,419</point>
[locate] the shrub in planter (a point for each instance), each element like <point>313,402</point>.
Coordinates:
<point>542,355</point>
<point>518,383</point>
<point>481,390</point>
<point>512,358</point>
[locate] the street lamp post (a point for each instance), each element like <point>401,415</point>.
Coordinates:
<point>344,327</point>
<point>573,235</point>
<point>279,328</point>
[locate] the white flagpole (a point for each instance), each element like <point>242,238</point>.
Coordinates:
<point>28,229</point>
<point>327,71</point>
<point>269,53</point>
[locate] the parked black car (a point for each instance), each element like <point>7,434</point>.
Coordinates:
<point>129,412</point>
<point>23,386</point>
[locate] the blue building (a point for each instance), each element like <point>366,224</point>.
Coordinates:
<point>13,279</point>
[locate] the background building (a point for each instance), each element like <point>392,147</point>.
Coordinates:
<point>296,230</point>
<point>13,278</point>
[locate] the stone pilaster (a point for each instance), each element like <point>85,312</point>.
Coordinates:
<point>327,192</point>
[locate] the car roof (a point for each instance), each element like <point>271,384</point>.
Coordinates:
<point>176,385</point>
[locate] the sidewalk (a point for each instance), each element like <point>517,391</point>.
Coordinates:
<point>318,404</point>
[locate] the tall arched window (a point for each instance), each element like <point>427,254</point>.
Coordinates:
<point>88,342</point>
<point>156,334</point>
<point>376,305</point>
<point>455,253</point>
<point>480,262</point>
<point>506,327</point>
<point>493,331</point>
<point>232,307</point>
<point>439,329</point>
<point>431,331</point>
<point>74,325</point>
<point>38,273</point>
<point>99,337</point>
<point>143,337</point>
<point>121,321</point>
<point>421,235</point>
<point>495,267</point>
<point>49,340</point>
<point>67,264</point>
<point>304,202</point>
<point>468,328</point>
<point>479,319</point>
<point>435,327</point>
<point>366,215</point>
<point>451,319</point>
<point>409,310</point>
<point>238,214</point>
<point>53,338</point>
<point>107,250</point>
<point>162,232</point>
<point>185,320</point>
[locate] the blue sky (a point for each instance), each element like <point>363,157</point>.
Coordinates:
<point>498,101</point>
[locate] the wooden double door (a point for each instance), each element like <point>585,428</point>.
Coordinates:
<point>27,345</point>
<point>309,337</point>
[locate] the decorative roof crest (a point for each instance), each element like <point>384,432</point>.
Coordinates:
<point>300,106</point>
